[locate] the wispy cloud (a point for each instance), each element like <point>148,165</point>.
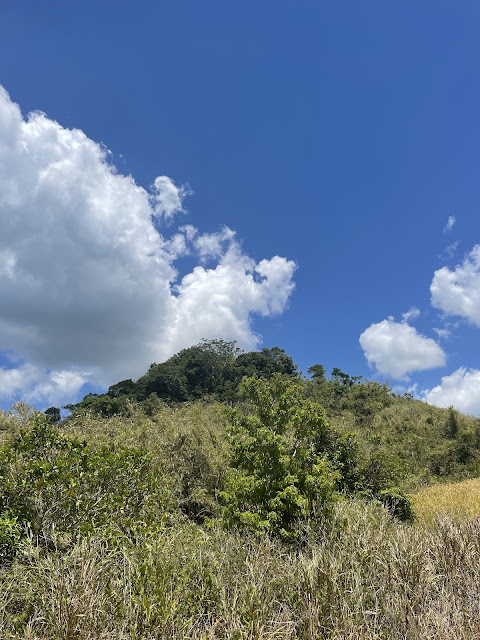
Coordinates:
<point>449,226</point>
<point>449,251</point>
<point>446,331</point>
<point>442,333</point>
<point>411,314</point>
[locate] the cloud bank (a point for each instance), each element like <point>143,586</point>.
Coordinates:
<point>396,349</point>
<point>88,285</point>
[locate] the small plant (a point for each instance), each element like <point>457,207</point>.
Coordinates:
<point>10,536</point>
<point>398,504</point>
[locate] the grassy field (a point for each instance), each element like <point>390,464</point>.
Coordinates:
<point>149,567</point>
<point>366,578</point>
<point>458,500</point>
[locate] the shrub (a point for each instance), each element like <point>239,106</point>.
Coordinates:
<point>47,478</point>
<point>280,473</point>
<point>398,504</point>
<point>451,426</point>
<point>10,536</point>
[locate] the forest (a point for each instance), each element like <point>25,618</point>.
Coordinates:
<point>226,495</point>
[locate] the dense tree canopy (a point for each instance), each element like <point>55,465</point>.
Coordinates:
<point>212,369</point>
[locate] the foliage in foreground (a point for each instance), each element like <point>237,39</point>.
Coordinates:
<point>146,567</point>
<point>280,472</point>
<point>288,464</point>
<point>133,560</point>
<point>286,468</point>
<point>366,578</point>
<point>53,482</point>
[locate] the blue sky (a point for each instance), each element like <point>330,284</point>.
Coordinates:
<point>338,136</point>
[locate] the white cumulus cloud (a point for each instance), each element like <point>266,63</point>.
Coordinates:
<point>397,349</point>
<point>461,390</point>
<point>88,285</point>
<point>224,298</point>
<point>457,291</point>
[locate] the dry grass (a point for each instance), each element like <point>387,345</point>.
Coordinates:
<point>459,500</point>
<point>366,579</point>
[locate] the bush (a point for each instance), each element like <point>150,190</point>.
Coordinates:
<point>10,536</point>
<point>398,504</point>
<point>50,479</point>
<point>280,473</point>
<point>451,426</point>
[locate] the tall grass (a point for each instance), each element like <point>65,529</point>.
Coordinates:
<point>366,578</point>
<point>362,577</point>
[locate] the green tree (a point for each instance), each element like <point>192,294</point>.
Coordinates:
<point>53,414</point>
<point>317,371</point>
<point>280,473</point>
<point>451,426</point>
<point>263,364</point>
<point>212,369</point>
<point>123,388</point>
<point>191,374</point>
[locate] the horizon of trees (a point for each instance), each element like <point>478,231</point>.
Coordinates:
<point>212,369</point>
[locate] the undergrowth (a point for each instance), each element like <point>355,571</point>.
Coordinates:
<point>111,530</point>
<point>366,577</point>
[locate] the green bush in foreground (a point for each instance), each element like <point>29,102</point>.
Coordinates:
<point>10,536</point>
<point>280,473</point>
<point>288,465</point>
<point>51,481</point>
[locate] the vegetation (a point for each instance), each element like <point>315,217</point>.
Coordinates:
<point>458,499</point>
<point>287,464</point>
<point>223,495</point>
<point>419,444</point>
<point>280,473</point>
<point>404,441</point>
<point>210,370</point>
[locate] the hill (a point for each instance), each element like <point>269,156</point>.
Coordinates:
<point>411,443</point>
<point>271,506</point>
<point>115,548</point>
